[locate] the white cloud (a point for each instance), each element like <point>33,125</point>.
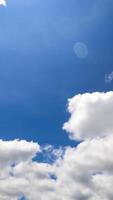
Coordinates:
<point>83,168</point>
<point>84,172</point>
<point>109,77</point>
<point>3,2</point>
<point>91,115</point>
<point>14,152</point>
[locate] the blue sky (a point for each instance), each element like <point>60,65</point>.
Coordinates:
<point>39,70</point>
<point>56,99</point>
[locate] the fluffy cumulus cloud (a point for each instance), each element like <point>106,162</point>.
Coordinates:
<point>84,172</point>
<point>91,115</point>
<point>3,2</point>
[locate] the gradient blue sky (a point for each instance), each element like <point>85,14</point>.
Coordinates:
<point>39,70</point>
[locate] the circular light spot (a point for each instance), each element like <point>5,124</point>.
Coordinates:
<point>81,50</point>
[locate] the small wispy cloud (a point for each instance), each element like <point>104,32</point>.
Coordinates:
<point>2,2</point>
<point>109,77</point>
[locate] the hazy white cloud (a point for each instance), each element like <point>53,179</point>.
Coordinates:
<point>84,172</point>
<point>3,2</point>
<point>109,77</point>
<point>91,115</point>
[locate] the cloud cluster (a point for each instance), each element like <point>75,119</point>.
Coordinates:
<point>84,172</point>
<point>3,2</point>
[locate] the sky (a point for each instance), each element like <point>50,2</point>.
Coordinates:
<point>56,99</point>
